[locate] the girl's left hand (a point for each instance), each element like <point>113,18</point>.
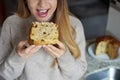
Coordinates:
<point>56,52</point>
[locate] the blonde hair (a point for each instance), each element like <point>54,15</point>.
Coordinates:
<point>61,18</point>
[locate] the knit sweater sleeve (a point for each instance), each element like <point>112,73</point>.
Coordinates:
<point>74,69</point>
<point>11,65</point>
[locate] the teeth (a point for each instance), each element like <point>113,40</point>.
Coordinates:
<point>43,11</point>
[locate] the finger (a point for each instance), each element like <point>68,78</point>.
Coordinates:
<point>26,45</point>
<point>53,50</point>
<point>22,43</point>
<point>61,45</point>
<point>27,50</point>
<point>35,49</point>
<point>57,51</point>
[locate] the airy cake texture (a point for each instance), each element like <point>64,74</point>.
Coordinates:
<point>107,44</point>
<point>43,33</point>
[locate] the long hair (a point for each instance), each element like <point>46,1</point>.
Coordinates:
<point>61,18</point>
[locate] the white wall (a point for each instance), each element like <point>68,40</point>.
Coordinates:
<point>113,26</point>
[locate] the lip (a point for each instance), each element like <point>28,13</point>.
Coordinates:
<point>41,13</point>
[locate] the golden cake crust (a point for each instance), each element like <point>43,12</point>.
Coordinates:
<point>107,44</point>
<point>43,33</point>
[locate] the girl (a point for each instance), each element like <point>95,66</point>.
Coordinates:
<point>34,62</point>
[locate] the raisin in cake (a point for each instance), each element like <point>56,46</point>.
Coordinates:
<point>42,33</point>
<point>107,44</point>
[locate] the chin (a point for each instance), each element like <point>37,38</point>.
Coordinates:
<point>47,18</point>
<point>43,19</point>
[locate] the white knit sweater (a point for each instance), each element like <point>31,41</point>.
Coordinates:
<point>38,66</point>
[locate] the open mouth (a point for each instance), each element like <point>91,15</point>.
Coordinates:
<point>42,12</point>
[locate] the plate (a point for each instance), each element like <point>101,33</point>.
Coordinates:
<point>102,57</point>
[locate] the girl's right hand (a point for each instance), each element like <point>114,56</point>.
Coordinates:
<point>26,52</point>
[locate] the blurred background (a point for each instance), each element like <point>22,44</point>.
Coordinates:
<point>94,14</point>
<point>7,8</point>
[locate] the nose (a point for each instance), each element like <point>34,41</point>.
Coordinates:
<point>41,3</point>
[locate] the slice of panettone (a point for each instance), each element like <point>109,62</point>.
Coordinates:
<point>43,33</point>
<point>107,44</point>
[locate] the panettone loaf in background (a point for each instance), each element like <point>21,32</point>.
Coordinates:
<point>43,33</point>
<point>107,44</point>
